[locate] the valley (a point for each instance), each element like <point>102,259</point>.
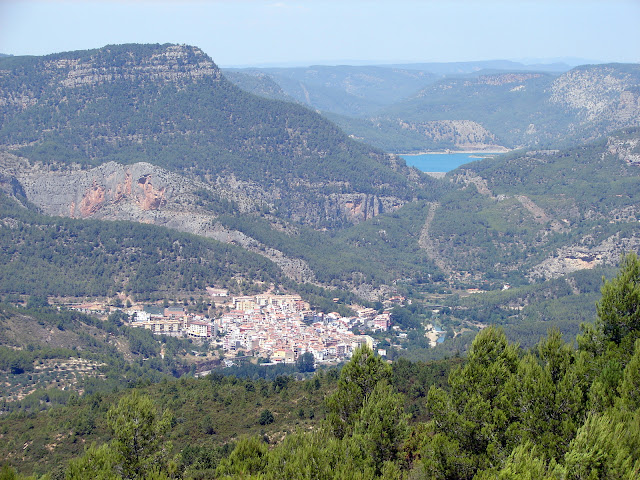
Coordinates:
<point>285,184</point>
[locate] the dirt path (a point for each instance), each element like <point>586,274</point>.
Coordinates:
<point>538,213</point>
<point>481,184</point>
<point>426,243</point>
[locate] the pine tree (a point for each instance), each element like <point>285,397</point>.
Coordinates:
<point>619,308</point>
<point>357,381</point>
<point>138,435</point>
<point>630,386</point>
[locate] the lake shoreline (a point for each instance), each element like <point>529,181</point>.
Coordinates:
<point>449,152</point>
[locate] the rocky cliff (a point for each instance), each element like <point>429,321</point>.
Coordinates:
<point>510,109</point>
<point>142,193</point>
<point>543,213</point>
<point>459,134</point>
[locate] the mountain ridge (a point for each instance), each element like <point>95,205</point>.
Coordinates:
<point>281,181</point>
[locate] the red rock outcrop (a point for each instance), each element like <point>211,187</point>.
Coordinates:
<point>150,198</point>
<point>92,200</point>
<point>123,190</point>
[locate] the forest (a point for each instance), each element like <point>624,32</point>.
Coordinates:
<point>203,126</point>
<point>422,102</point>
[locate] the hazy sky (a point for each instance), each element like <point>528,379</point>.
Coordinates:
<point>246,32</point>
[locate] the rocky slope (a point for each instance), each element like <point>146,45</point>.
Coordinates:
<point>142,193</point>
<point>156,134</point>
<point>459,134</point>
<point>540,214</point>
<point>603,94</point>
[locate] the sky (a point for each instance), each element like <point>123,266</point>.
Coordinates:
<point>290,32</point>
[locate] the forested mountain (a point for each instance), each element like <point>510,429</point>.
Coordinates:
<point>524,109</point>
<point>156,134</point>
<point>359,91</point>
<point>53,256</point>
<point>170,106</point>
<point>345,90</point>
<point>140,172</point>
<point>540,213</point>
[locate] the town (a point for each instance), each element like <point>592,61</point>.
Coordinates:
<point>276,328</point>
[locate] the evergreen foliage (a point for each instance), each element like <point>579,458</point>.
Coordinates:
<point>619,309</point>
<point>506,413</point>
<point>357,382</point>
<point>553,411</point>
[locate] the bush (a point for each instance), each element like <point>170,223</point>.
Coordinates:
<point>266,417</point>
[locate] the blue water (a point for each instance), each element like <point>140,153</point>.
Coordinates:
<point>441,162</point>
<point>439,330</point>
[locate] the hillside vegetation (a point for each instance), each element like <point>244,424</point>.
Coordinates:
<point>140,173</point>
<point>155,134</point>
<point>552,412</point>
<point>545,213</point>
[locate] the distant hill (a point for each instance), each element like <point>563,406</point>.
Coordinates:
<point>468,105</point>
<point>156,134</point>
<point>48,356</point>
<point>52,256</point>
<point>359,91</point>
<point>541,214</point>
<point>345,90</point>
<point>462,68</point>
<point>512,110</point>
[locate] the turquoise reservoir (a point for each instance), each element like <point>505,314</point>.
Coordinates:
<point>442,162</point>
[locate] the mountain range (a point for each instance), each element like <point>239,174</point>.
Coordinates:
<point>474,107</point>
<point>141,172</point>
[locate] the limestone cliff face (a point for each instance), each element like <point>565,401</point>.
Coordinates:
<point>102,190</point>
<point>572,258</point>
<point>151,198</point>
<point>177,64</point>
<point>91,202</point>
<point>600,93</point>
<point>174,64</point>
<point>142,193</point>
<point>506,78</point>
<point>626,149</point>
<point>350,208</point>
<point>112,190</point>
